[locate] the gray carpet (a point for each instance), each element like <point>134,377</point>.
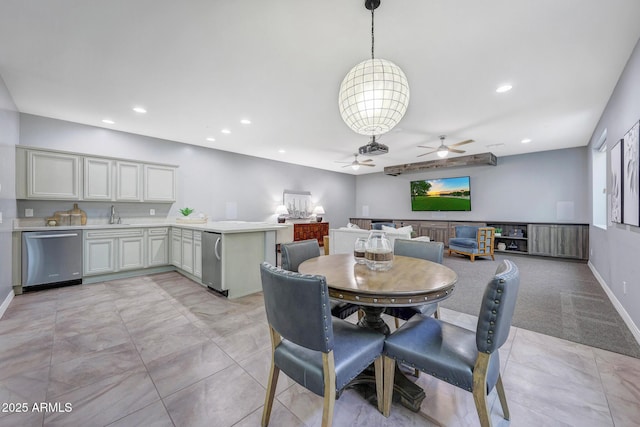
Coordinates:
<point>557,297</point>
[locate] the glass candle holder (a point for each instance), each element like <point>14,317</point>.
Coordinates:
<point>359,250</point>
<point>379,254</point>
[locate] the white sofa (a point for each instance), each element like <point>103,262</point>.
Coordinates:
<point>342,240</point>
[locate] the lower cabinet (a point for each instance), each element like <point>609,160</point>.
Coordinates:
<point>197,254</point>
<point>186,250</point>
<point>157,246</point>
<point>559,240</point>
<point>176,247</point>
<point>110,251</point>
<point>436,231</point>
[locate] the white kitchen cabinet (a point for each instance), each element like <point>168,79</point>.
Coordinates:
<point>113,250</point>
<point>99,256</point>
<point>52,175</point>
<point>176,247</point>
<point>98,179</point>
<point>130,253</point>
<point>187,251</point>
<point>128,181</point>
<point>159,183</point>
<point>157,246</point>
<point>197,254</point>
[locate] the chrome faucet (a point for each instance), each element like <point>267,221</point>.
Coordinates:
<point>112,218</point>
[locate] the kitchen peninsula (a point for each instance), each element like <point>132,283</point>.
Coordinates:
<point>112,251</point>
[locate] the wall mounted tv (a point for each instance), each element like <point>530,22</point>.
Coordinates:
<point>441,194</point>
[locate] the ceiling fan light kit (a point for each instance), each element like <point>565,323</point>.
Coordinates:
<point>374,95</point>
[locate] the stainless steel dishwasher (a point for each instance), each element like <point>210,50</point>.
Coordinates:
<point>212,261</point>
<point>51,257</point>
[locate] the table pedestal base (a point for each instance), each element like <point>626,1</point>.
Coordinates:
<point>405,391</point>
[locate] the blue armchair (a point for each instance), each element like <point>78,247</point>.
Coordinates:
<point>472,241</point>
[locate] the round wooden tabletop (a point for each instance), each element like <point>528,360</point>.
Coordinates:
<point>409,282</point>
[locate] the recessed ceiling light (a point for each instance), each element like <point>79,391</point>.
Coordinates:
<point>139,110</point>
<point>504,88</point>
<point>108,121</point>
<point>226,131</point>
<point>211,139</point>
<point>282,151</point>
<point>245,121</point>
<point>526,141</point>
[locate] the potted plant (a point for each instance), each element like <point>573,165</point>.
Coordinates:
<point>186,211</point>
<point>497,231</point>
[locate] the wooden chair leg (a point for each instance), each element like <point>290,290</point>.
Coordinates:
<point>473,257</point>
<point>360,314</point>
<point>503,398</point>
<point>379,367</point>
<point>271,392</point>
<point>480,388</point>
<point>397,322</point>
<point>328,365</point>
<point>389,372</point>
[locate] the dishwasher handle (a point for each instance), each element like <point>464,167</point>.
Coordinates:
<point>215,248</point>
<point>52,236</point>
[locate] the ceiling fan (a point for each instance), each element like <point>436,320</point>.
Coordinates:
<point>443,149</point>
<point>355,165</point>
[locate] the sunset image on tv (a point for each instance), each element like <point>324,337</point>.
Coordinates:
<point>442,194</point>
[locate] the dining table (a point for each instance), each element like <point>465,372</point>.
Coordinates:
<point>409,282</point>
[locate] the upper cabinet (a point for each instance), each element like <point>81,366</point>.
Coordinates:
<point>52,175</point>
<point>159,183</point>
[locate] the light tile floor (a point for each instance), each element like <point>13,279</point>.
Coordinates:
<point>161,350</point>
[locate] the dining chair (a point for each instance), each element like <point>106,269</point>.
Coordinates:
<point>430,251</point>
<point>318,351</point>
<point>295,253</point>
<point>465,359</point>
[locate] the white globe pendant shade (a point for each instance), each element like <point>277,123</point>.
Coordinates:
<point>373,97</point>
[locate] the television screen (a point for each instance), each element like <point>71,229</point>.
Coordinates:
<point>441,194</point>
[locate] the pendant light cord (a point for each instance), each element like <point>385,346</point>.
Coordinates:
<point>372,9</point>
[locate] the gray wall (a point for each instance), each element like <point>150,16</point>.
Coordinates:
<point>616,249</point>
<point>209,180</point>
<point>9,135</point>
<point>534,187</point>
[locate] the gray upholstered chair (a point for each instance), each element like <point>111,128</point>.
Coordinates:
<point>472,241</point>
<point>318,351</point>
<point>295,253</point>
<point>431,251</point>
<point>466,359</point>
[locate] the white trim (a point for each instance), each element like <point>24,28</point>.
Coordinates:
<point>5,303</point>
<point>623,313</point>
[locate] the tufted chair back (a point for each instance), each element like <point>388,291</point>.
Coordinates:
<point>295,253</point>
<point>431,251</point>
<point>496,311</point>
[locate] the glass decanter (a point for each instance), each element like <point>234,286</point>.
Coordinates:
<point>379,253</point>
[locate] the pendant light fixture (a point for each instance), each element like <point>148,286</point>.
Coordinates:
<point>374,95</point>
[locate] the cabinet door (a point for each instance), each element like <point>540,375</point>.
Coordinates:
<point>128,181</point>
<point>570,241</point>
<point>187,251</point>
<point>99,256</point>
<point>98,179</point>
<point>541,239</point>
<point>157,247</point>
<point>176,248</point>
<point>159,183</point>
<point>53,176</point>
<point>197,254</point>
<point>131,253</point>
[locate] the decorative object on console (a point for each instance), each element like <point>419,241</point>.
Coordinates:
<point>374,95</point>
<point>191,219</point>
<point>319,211</point>
<point>186,211</point>
<point>298,203</point>
<point>281,211</point>
<point>498,231</point>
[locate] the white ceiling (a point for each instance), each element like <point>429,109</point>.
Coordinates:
<point>199,66</point>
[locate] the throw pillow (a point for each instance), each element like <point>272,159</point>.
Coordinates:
<point>408,229</point>
<point>354,226</point>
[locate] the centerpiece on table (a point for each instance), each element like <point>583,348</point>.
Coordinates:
<point>188,217</point>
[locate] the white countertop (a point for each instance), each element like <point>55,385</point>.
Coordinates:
<point>215,226</point>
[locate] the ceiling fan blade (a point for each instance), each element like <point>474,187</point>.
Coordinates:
<point>365,161</point>
<point>424,146</point>
<point>424,154</point>
<point>461,143</point>
<point>453,150</point>
<point>366,164</point>
<point>348,163</point>
<point>346,166</point>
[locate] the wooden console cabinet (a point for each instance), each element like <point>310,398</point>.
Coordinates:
<point>311,230</point>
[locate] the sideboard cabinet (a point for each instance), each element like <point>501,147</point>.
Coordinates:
<point>311,230</point>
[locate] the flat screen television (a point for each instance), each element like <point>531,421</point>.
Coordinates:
<point>441,194</point>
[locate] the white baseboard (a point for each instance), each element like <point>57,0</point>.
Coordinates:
<point>5,303</point>
<point>623,313</point>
